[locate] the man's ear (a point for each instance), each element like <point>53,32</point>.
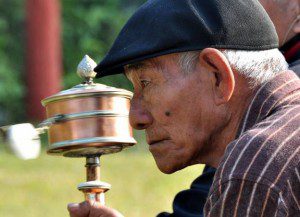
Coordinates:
<point>222,77</point>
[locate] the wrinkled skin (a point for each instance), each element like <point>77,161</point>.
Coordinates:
<point>177,111</point>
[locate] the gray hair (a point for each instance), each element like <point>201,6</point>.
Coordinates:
<point>256,66</point>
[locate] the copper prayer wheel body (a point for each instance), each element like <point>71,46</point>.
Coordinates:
<point>89,119</point>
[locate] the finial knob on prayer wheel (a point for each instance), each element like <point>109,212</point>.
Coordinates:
<point>85,69</point>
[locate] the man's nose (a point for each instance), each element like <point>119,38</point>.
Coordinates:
<point>140,118</point>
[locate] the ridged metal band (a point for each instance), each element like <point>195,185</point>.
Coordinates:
<point>67,143</point>
<point>66,117</point>
<point>93,185</point>
<point>127,95</point>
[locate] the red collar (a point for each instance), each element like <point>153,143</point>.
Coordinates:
<point>291,49</point>
<point>292,52</point>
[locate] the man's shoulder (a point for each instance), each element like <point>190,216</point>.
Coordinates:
<point>261,167</point>
<point>266,152</point>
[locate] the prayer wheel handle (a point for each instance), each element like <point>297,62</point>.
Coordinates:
<point>93,188</point>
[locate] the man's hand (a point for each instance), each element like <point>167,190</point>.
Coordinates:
<point>87,209</point>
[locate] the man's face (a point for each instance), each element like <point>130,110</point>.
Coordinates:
<point>175,109</point>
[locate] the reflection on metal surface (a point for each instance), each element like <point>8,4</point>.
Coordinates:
<point>89,114</point>
<point>90,146</point>
<point>126,94</point>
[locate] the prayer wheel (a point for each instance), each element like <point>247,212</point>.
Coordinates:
<point>88,120</point>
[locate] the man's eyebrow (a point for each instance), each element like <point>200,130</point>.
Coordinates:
<point>132,70</point>
<point>136,66</point>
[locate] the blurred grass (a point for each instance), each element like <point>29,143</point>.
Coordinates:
<point>44,187</point>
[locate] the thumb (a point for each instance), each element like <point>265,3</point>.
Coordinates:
<point>79,209</point>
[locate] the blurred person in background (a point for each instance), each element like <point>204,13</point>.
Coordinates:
<point>190,203</point>
<point>285,15</point>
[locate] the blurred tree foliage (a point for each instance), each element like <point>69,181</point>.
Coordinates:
<point>88,27</point>
<point>12,39</point>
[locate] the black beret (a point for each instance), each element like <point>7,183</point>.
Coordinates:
<point>162,27</point>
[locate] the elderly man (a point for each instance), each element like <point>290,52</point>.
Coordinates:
<point>285,15</point>
<point>211,87</point>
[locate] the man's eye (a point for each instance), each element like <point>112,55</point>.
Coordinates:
<point>145,83</point>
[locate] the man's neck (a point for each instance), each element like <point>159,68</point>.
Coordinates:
<point>239,104</point>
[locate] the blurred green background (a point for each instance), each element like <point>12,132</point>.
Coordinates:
<point>88,27</point>
<point>43,187</point>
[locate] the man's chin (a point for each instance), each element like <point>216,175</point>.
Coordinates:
<point>167,168</point>
<point>166,171</point>
<point>168,159</point>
